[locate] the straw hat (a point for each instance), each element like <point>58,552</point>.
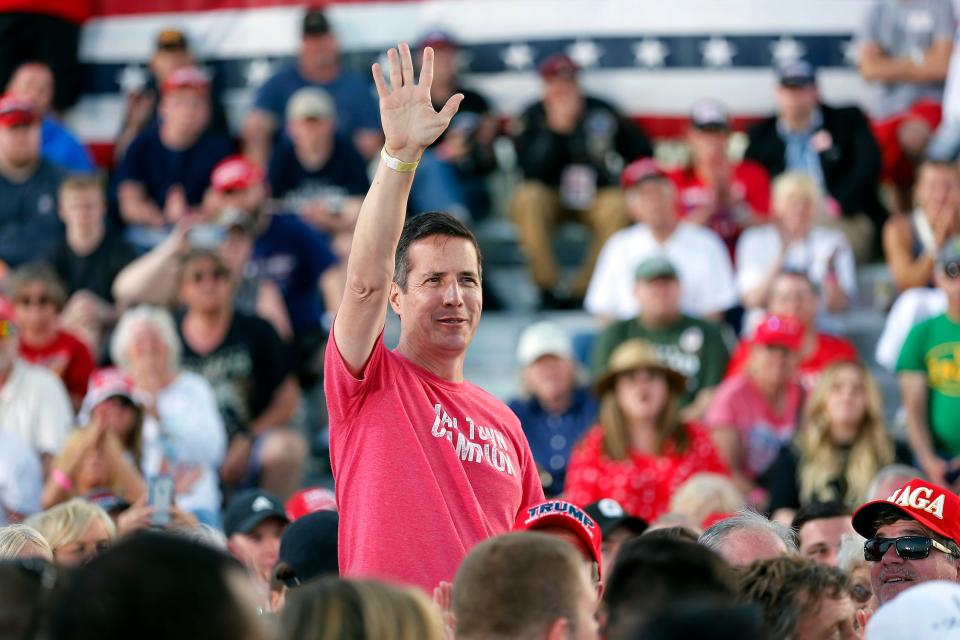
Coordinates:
<point>637,354</point>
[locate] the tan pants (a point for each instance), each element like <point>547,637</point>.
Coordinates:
<point>536,210</point>
<point>858,229</point>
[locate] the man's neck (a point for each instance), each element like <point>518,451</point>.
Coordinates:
<point>654,322</point>
<point>319,73</point>
<point>174,140</point>
<point>83,243</point>
<point>798,124</point>
<point>18,173</point>
<point>314,159</point>
<point>662,233</point>
<point>446,367</point>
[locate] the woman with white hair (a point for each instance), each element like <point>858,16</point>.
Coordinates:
<point>795,241</point>
<point>183,433</point>
<point>21,541</point>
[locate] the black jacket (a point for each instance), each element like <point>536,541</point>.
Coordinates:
<point>603,139</point>
<point>851,165</point>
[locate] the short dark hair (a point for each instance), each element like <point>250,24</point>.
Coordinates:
<point>425,225</point>
<point>672,533</point>
<point>819,511</point>
<point>653,572</point>
<point>741,622</point>
<point>152,586</point>
<point>515,583</point>
<point>786,587</point>
<point>27,585</point>
<point>892,514</point>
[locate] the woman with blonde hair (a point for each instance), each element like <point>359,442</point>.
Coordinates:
<point>640,451</point>
<point>76,531</point>
<point>21,541</point>
<point>841,444</point>
<point>336,609</point>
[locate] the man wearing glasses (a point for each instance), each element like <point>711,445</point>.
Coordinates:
<point>929,373</point>
<point>911,538</point>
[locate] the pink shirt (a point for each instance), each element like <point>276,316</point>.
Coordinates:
<point>424,468</point>
<point>738,403</point>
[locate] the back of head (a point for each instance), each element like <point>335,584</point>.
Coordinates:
<point>788,587</point>
<point>517,584</point>
<point>26,587</point>
<point>765,537</point>
<point>155,586</point>
<point>725,623</point>
<point>19,540</point>
<point>333,609</point>
<point>819,511</point>
<point>652,573</point>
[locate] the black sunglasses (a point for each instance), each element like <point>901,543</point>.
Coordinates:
<point>908,547</point>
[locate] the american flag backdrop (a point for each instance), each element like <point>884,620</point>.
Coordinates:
<point>653,58</point>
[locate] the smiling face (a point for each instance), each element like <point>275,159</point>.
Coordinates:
<point>440,306</point>
<point>893,574</point>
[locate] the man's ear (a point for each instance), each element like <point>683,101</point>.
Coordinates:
<point>395,297</point>
<point>559,629</point>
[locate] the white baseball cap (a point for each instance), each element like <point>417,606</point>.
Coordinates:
<point>929,611</point>
<point>543,339</point>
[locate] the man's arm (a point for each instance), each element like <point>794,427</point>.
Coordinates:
<point>913,389</point>
<point>877,66</point>
<point>152,278</point>
<point>410,125</point>
<point>136,207</point>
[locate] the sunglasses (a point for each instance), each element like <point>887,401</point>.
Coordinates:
<point>203,274</point>
<point>952,270</point>
<point>908,547</point>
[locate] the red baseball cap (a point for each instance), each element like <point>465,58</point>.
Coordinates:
<point>186,78</point>
<point>437,39</point>
<point>15,110</point>
<point>640,171</point>
<point>558,64</point>
<point>934,507</point>
<point>310,500</point>
<point>235,173</point>
<point>566,515</point>
<point>106,383</point>
<point>779,331</point>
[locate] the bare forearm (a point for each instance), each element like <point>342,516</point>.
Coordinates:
<point>136,207</point>
<point>150,279</point>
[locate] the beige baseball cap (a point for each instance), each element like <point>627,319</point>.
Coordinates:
<point>310,102</point>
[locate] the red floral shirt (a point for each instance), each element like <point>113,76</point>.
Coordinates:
<point>643,484</point>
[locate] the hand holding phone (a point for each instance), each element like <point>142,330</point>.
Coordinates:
<point>161,499</point>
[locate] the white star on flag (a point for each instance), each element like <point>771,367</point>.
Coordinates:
<point>518,56</point>
<point>585,53</point>
<point>787,49</point>
<point>258,71</point>
<point>717,52</point>
<point>132,78</point>
<point>650,52</point>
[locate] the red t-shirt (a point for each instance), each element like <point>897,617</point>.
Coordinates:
<point>829,349</point>
<point>643,484</point>
<point>67,357</point>
<point>749,183</point>
<point>425,468</point>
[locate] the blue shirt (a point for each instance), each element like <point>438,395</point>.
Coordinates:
<point>29,224</point>
<point>344,174</point>
<point>801,155</point>
<point>356,107</point>
<point>294,255</point>
<point>158,168</point>
<point>61,148</point>
<point>552,436</point>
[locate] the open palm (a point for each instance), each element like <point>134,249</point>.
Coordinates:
<point>410,123</point>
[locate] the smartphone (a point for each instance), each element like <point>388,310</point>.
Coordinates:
<point>206,236</point>
<point>161,499</point>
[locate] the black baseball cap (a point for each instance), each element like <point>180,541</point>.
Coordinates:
<point>315,23</point>
<point>249,508</point>
<point>609,516</point>
<point>710,115</point>
<point>308,549</point>
<point>796,73</point>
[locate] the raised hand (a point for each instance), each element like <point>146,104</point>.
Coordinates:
<point>410,123</point>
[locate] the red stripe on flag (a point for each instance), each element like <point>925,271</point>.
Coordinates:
<point>131,7</point>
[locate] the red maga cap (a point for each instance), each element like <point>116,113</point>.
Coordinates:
<point>310,500</point>
<point>565,515</point>
<point>779,331</point>
<point>15,110</point>
<point>186,78</point>
<point>640,171</point>
<point>934,507</point>
<point>235,173</point>
<point>558,64</point>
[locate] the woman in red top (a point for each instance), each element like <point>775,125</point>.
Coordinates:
<point>640,451</point>
<point>38,297</point>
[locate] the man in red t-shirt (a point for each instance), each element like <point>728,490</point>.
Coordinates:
<point>426,464</point>
<point>713,191</point>
<point>792,294</point>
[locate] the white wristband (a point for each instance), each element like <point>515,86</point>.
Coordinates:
<point>396,163</point>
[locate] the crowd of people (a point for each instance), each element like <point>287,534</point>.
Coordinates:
<point>204,433</point>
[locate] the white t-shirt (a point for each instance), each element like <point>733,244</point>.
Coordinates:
<point>912,307</point>
<point>21,476</point>
<point>759,247</point>
<point>192,434</point>
<point>34,404</point>
<point>699,256</point>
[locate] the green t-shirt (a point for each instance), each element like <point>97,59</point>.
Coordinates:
<point>933,347</point>
<point>693,347</point>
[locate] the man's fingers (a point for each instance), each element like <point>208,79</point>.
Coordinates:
<point>393,64</point>
<point>426,69</point>
<point>450,109</point>
<point>379,82</point>
<point>406,63</point>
